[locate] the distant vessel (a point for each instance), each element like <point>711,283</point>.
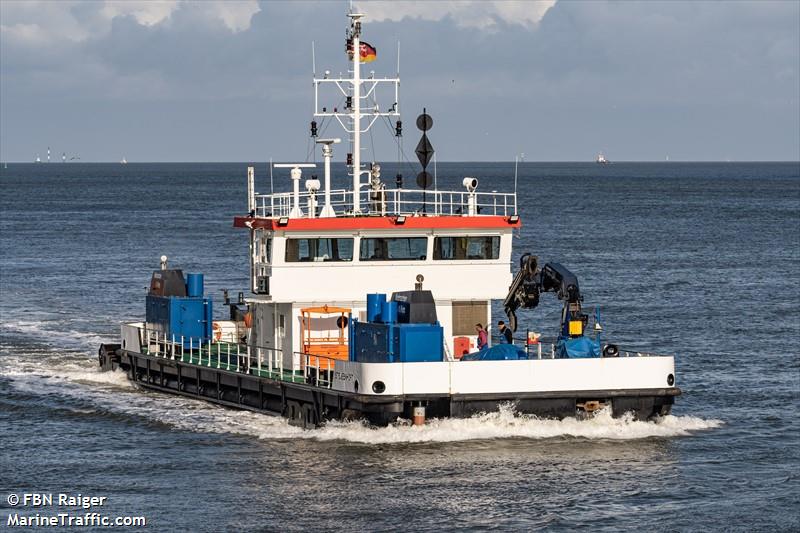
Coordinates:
<point>63,157</point>
<point>601,159</point>
<point>124,161</point>
<point>38,159</point>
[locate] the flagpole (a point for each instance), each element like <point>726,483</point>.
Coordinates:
<point>356,21</point>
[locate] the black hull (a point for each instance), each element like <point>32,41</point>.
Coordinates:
<point>307,405</point>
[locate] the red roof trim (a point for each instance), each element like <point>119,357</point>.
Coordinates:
<point>378,223</point>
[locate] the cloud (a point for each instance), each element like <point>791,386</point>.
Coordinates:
<point>701,80</point>
<point>485,15</point>
<point>40,23</point>
<point>146,13</point>
<point>235,15</point>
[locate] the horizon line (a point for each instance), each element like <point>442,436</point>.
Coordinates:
<point>504,161</point>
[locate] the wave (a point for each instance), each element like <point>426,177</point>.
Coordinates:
<point>51,333</point>
<point>506,424</point>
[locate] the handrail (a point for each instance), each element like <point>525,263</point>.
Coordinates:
<point>263,361</point>
<point>552,352</point>
<point>392,202</point>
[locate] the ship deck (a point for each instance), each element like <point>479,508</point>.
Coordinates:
<point>225,356</point>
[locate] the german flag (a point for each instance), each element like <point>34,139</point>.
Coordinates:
<point>368,53</point>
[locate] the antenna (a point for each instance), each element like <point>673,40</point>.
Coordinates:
<point>517,159</point>
<point>296,173</point>
<point>271,186</point>
<point>313,60</point>
<point>398,58</point>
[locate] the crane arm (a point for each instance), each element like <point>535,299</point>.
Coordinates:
<point>530,282</point>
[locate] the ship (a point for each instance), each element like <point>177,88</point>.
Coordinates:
<point>361,303</point>
<point>601,159</point>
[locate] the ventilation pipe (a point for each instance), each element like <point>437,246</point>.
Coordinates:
<point>296,174</point>
<point>327,154</point>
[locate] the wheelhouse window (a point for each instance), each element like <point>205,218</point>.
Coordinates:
<point>318,250</point>
<point>466,248</point>
<point>394,249</point>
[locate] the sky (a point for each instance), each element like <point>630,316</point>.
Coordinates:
<point>554,80</point>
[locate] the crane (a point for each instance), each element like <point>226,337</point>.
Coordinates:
<point>525,290</point>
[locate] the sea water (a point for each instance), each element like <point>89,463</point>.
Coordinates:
<point>699,260</point>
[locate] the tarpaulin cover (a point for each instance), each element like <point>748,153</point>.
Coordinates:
<point>579,347</point>
<point>500,352</point>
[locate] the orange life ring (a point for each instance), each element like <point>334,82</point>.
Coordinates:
<point>248,319</point>
<point>217,331</point>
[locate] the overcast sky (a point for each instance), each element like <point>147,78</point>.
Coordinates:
<point>555,80</point>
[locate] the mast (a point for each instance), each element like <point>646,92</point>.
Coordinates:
<point>356,37</point>
<point>354,89</point>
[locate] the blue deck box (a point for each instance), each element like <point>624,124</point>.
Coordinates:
<point>178,316</point>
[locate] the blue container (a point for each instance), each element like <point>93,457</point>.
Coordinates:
<point>194,285</point>
<point>370,343</point>
<point>389,312</point>
<point>374,303</point>
<point>417,343</point>
<point>176,316</point>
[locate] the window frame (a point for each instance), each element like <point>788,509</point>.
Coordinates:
<point>364,238</point>
<point>314,258</point>
<point>496,243</point>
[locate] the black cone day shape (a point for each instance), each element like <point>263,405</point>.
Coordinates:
<point>424,151</point>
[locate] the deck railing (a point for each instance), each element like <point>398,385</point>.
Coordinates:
<point>262,361</point>
<point>392,202</point>
<point>540,350</point>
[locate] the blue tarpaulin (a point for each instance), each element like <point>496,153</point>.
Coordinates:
<point>580,347</point>
<point>500,352</point>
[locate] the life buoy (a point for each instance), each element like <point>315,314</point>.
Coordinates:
<point>217,331</point>
<point>248,319</point>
